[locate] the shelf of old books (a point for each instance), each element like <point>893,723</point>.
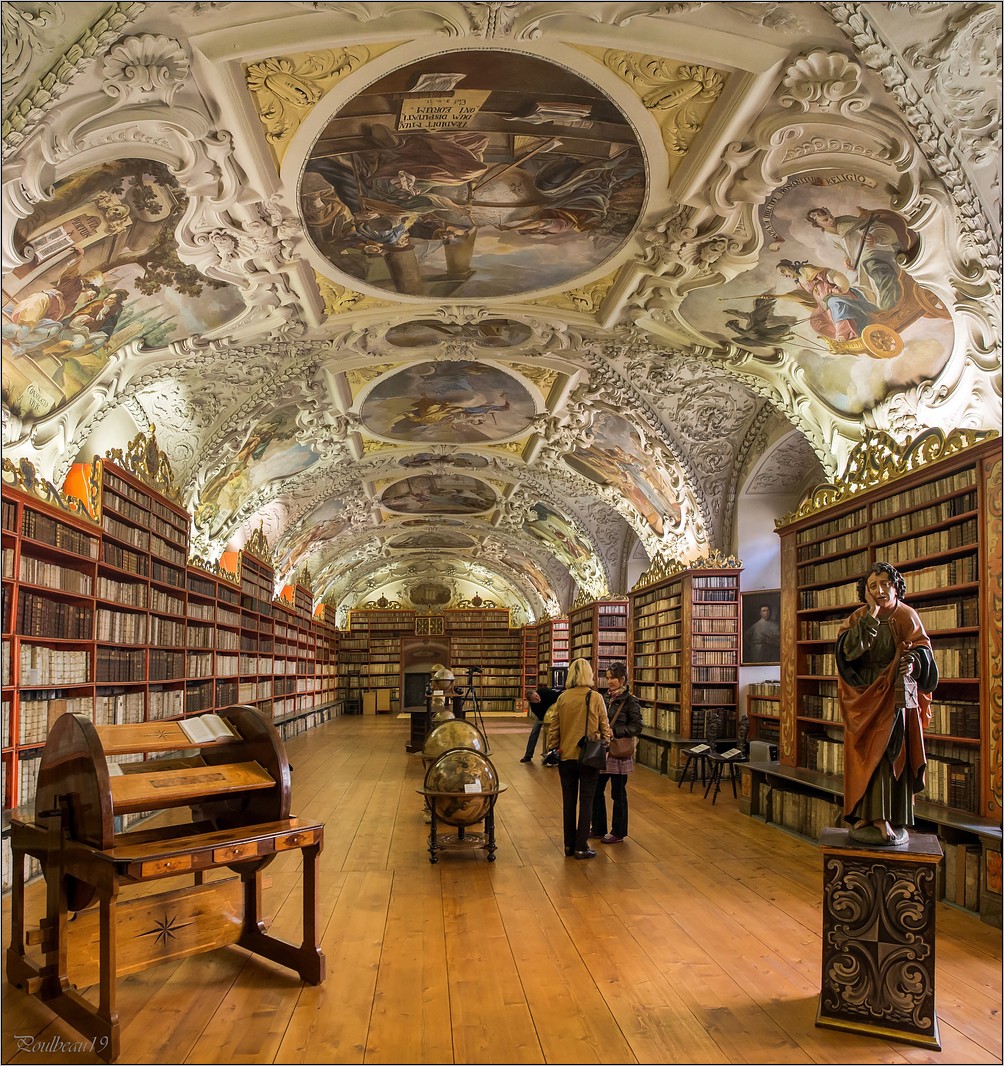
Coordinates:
<point>598,633</point>
<point>684,659</point>
<point>763,708</point>
<point>482,640</point>
<point>933,512</point>
<point>552,652</point>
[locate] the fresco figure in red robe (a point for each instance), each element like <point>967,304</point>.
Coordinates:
<point>886,676</point>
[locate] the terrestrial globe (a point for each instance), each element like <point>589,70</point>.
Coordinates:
<point>453,733</point>
<point>474,780</point>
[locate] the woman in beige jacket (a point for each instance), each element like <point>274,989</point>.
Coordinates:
<point>579,712</point>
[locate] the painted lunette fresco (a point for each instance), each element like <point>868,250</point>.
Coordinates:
<point>102,270</point>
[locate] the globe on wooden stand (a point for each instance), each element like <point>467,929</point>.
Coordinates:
<point>461,787</point>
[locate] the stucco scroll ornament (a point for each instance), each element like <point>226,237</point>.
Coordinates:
<point>964,63</point>
<point>148,68</point>
<point>23,32</point>
<point>824,81</point>
<point>672,94</point>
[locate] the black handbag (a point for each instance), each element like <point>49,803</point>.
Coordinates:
<point>592,753</point>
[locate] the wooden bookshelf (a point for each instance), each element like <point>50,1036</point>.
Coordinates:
<point>380,669</point>
<point>763,708</point>
<point>552,652</point>
<point>939,524</point>
<point>531,657</point>
<point>105,616</point>
<point>684,658</point>
<point>484,638</point>
<point>598,633</point>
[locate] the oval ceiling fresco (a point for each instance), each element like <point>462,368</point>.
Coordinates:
<point>421,459</point>
<point>438,494</point>
<point>473,174</point>
<point>427,333</point>
<point>448,403</point>
<point>437,539</point>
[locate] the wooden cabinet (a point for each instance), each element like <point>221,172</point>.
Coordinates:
<point>598,633</point>
<point>684,657</point>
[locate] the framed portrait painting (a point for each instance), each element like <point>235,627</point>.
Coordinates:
<point>761,627</point>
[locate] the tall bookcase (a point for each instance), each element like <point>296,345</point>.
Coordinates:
<point>380,672</point>
<point>484,639</point>
<point>598,633</point>
<point>552,652</point>
<point>684,655</point>
<point>531,657</point>
<point>932,508</point>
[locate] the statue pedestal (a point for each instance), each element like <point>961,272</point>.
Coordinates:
<point>878,938</point>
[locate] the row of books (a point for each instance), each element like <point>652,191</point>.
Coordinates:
<point>128,534</point>
<point>823,754</point>
<point>856,538</point>
<point>51,575</point>
<point>38,616</point>
<point>952,782</point>
<point>48,530</point>
<point>120,487</point>
<point>835,569</point>
<point>943,540</point>
<point>945,511</point>
<point>920,494</point>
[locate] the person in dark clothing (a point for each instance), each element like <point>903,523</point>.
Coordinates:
<point>540,699</point>
<point>624,715</point>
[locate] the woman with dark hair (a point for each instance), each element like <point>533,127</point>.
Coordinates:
<point>624,715</point>
<point>886,676</point>
<point>579,712</point>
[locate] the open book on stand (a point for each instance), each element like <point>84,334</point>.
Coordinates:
<point>205,728</point>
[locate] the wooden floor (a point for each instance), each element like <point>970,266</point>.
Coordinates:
<point>697,940</point>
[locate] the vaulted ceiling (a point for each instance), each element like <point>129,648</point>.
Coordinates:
<point>496,300</point>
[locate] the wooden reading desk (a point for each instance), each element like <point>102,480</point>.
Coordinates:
<point>238,789</point>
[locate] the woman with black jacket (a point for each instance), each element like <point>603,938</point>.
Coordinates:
<point>624,715</point>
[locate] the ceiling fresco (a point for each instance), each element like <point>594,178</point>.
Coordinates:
<point>459,402</point>
<point>472,175</point>
<point>495,300</point>
<point>439,494</point>
<point>102,269</point>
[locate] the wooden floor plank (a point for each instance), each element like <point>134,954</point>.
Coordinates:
<point>695,940</point>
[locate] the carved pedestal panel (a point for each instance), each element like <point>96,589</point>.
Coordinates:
<point>878,938</point>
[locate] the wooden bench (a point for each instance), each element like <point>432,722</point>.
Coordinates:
<point>238,788</point>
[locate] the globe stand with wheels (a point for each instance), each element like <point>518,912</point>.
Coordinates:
<point>461,789</point>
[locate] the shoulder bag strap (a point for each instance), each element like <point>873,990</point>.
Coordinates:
<point>617,713</point>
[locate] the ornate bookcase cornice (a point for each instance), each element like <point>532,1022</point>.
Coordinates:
<point>144,459</point>
<point>880,459</point>
<point>257,546</point>
<point>665,566</point>
<point>22,475</point>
